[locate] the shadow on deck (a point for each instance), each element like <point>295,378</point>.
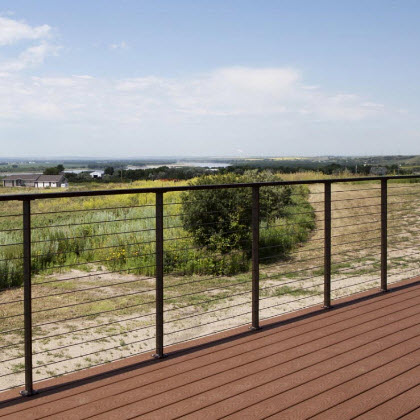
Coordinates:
<point>359,359</point>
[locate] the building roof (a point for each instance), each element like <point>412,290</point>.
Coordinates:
<point>26,177</point>
<point>35,178</point>
<point>50,178</point>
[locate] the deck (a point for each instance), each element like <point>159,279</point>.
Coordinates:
<point>359,359</point>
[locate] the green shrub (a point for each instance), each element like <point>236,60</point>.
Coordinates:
<point>220,219</point>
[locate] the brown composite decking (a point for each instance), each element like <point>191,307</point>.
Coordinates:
<point>359,359</point>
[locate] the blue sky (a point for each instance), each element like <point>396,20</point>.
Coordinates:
<point>140,78</point>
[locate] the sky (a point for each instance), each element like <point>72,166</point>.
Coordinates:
<point>134,78</point>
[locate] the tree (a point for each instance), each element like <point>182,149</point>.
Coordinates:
<point>220,219</point>
<point>54,170</point>
<point>109,170</point>
<point>51,171</point>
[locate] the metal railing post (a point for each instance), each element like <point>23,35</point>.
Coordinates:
<point>27,298</point>
<point>327,244</point>
<point>159,276</point>
<point>255,258</point>
<point>384,235</point>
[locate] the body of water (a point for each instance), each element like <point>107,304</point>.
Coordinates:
<point>183,164</point>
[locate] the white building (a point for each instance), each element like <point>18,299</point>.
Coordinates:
<point>36,181</point>
<point>96,174</point>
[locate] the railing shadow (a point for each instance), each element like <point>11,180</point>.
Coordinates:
<point>270,325</point>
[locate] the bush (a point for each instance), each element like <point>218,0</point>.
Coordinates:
<point>220,219</point>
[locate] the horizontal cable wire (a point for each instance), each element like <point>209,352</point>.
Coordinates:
<point>286,224</point>
<point>410,185</point>
<point>295,252</point>
<point>409,232</point>
<point>210,290</point>
<point>360,215</point>
<point>355,233</point>
<point>405,271</point>
<point>208,312</point>
<point>207,334</point>
<point>94,352</point>
<point>82,303</point>
<point>201,224</point>
<point>359,240</point>
<point>12,259</point>
<point>356,284</point>
<point>291,301</point>
<point>92,301</point>
<point>94,236</point>
<point>94,209</point>
<point>91,223</point>
<point>402,202</point>
<point>91,366</point>
<point>355,198</point>
<point>12,373</point>
<point>93,288</point>
<point>355,207</point>
<point>12,244</point>
<point>206,301</point>
<point>286,293</point>
<point>358,189</point>
<point>90,314</point>
<point>96,339</point>
<point>356,224</point>
<point>404,226</point>
<point>97,326</point>
<point>93,249</point>
<point>102,273</point>
<point>401,195</point>
<point>286,263</point>
<point>356,292</point>
<point>13,330</point>
<point>198,281</point>
<point>12,215</point>
<point>273,286</point>
<point>11,360</point>
<point>126,257</point>
<point>320,256</point>
<point>201,248</point>
<point>211,322</point>
<point>302,269</point>
<point>11,230</point>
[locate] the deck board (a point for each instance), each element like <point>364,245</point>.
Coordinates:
<point>359,359</point>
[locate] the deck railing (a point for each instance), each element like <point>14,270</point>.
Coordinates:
<point>53,233</point>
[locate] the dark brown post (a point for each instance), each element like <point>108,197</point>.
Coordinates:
<point>159,276</point>
<point>327,244</point>
<point>27,298</point>
<point>255,258</point>
<point>384,235</point>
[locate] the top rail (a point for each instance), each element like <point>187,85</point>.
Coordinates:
<point>64,194</point>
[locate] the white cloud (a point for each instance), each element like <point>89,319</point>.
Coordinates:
<point>12,31</point>
<point>36,48</point>
<point>30,57</point>
<point>227,92</point>
<point>259,111</point>
<point>119,46</point>
<point>237,91</point>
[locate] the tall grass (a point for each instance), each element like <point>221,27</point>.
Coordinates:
<point>116,233</point>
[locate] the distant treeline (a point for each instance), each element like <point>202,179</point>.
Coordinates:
<point>126,175</point>
<point>303,166</point>
<point>169,173</point>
